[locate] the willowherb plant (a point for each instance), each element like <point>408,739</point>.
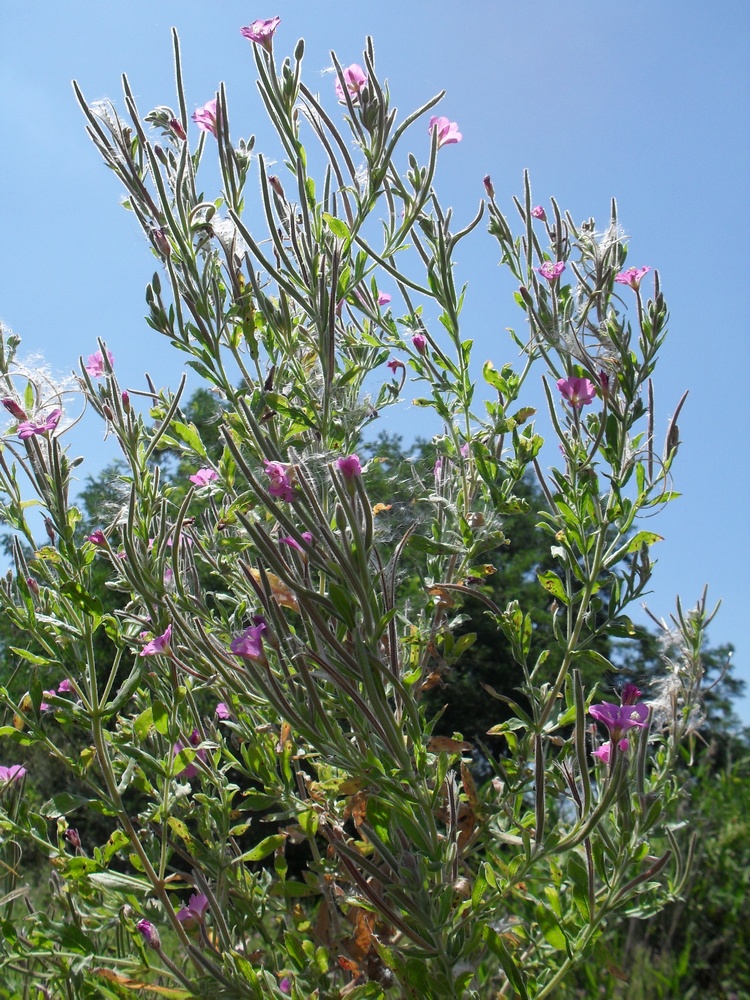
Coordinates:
<point>243,702</point>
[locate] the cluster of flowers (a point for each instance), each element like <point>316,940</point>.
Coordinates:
<point>629,714</point>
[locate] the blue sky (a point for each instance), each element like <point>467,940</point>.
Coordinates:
<point>645,102</point>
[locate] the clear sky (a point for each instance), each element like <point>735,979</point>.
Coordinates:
<point>642,101</point>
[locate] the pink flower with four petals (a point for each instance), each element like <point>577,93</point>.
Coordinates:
<point>261,32</point>
<point>355,80</point>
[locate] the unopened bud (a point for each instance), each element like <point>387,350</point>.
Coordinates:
<point>162,244</point>
<point>177,128</point>
<point>126,402</point>
<point>14,409</point>
<point>32,585</point>
<point>276,185</point>
<point>488,186</point>
<point>50,529</point>
<point>149,934</point>
<point>73,837</point>
<point>107,411</point>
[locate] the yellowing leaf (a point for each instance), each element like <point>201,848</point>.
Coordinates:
<point>283,596</point>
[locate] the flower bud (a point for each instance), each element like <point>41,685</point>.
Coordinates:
<point>14,409</point>
<point>149,934</point>
<point>177,128</point>
<point>488,186</point>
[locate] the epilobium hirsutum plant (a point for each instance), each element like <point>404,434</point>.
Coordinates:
<point>242,704</point>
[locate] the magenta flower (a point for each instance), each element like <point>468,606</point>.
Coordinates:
<point>193,912</point>
<point>96,537</point>
<point>222,711</point>
<point>203,477</point>
<point>538,212</point>
<point>289,540</point>
<point>578,391</point>
<point>190,771</point>
<point>205,117</point>
<point>633,276</point>
<point>14,772</point>
<point>65,686</point>
<point>29,428</point>
<point>394,364</point>
<point>447,131</point>
<point>249,644</point>
<point>261,32</point>
<point>551,271</point>
<point>419,343</point>
<point>280,485</point>
<point>350,467</point>
<point>149,934</point>
<point>355,81</point>
<point>619,718</point>
<point>13,408</point>
<point>383,298</point>
<point>160,644</point>
<point>285,985</point>
<point>95,363</point>
<point>605,750</point>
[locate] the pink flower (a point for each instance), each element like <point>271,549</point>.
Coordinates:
<point>578,391</point>
<point>203,477</point>
<point>289,540</point>
<point>285,985</point>
<point>149,934</point>
<point>551,271</point>
<point>280,485</point>
<point>350,467</point>
<point>160,644</point>
<point>190,771</point>
<point>14,772</point>
<point>633,276</point>
<point>64,687</point>
<point>605,750</point>
<point>193,912</point>
<point>383,298</point>
<point>538,212</point>
<point>249,644</point>
<point>619,718</point>
<point>96,537</point>
<point>222,711</point>
<point>95,363</point>
<point>262,32</point>
<point>447,131</point>
<point>29,428</point>
<point>394,364</point>
<point>355,81</point>
<point>13,408</point>
<point>43,706</point>
<point>205,117</point>
<point>419,343</point>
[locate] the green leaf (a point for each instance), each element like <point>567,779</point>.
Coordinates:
<point>81,598</point>
<point>62,804</point>
<point>553,584</point>
<point>38,661</point>
<point>644,538</point>
<point>190,435</point>
<point>161,717</point>
<point>267,846</point>
<point>497,947</point>
<point>550,927</point>
<point>578,876</point>
<point>339,228</point>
